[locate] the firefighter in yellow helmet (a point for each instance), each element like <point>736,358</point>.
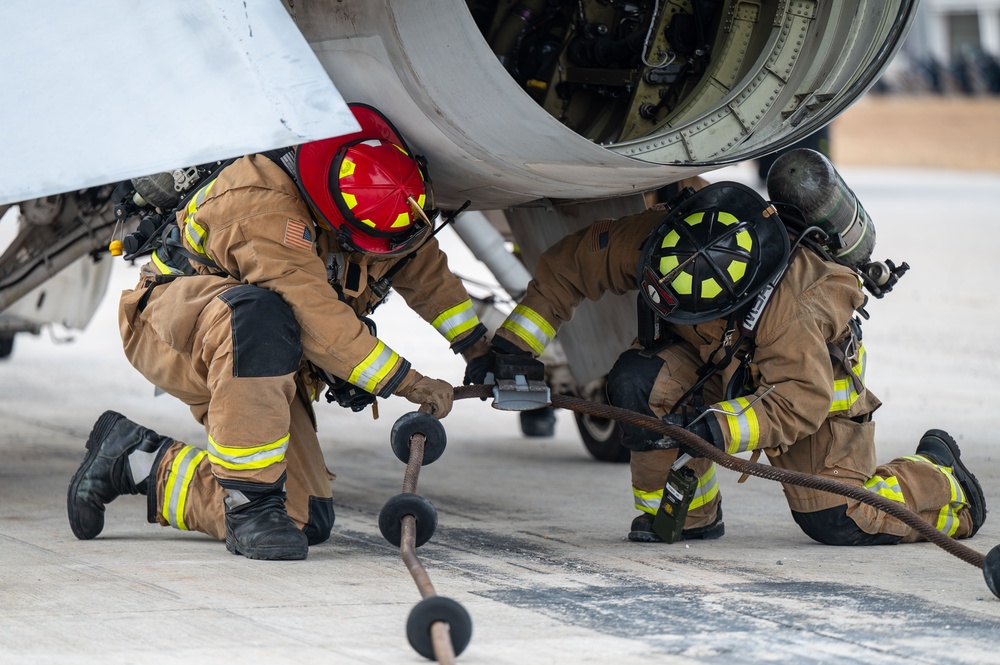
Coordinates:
<point>734,320</point>
<point>256,298</point>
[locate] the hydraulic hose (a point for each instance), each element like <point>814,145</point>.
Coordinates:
<point>708,451</point>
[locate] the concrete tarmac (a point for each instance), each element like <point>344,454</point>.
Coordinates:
<point>531,534</point>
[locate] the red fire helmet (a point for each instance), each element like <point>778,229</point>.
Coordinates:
<point>367,186</point>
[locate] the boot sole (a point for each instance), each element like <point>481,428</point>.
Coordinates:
<point>101,429</point>
<point>712,532</point>
<point>268,554</point>
<point>956,453</point>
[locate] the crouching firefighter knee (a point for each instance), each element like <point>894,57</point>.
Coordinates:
<point>833,527</point>
<point>266,336</point>
<point>630,383</point>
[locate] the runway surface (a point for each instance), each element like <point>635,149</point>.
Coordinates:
<point>531,536</point>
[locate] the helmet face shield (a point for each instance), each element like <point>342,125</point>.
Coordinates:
<point>711,254</point>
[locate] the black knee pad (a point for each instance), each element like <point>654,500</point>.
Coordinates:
<point>833,527</point>
<point>630,382</point>
<point>321,518</point>
<point>266,336</point>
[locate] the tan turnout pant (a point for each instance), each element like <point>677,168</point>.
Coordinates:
<point>185,338</point>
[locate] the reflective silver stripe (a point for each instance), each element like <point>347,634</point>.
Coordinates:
<point>648,502</point>
<point>255,457</point>
<point>375,367</point>
<point>195,232</point>
<point>887,487</point>
<point>531,327</point>
<point>708,488</point>
<point>844,393</point>
<point>947,521</point>
<point>175,493</point>
<point>744,430</point>
<point>456,320</point>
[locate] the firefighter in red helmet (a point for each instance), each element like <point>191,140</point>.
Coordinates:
<point>257,299</point>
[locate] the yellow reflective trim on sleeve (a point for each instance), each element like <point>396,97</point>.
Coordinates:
<point>529,325</point>
<point>708,488</point>
<point>647,502</point>
<point>844,392</point>
<point>175,494</point>
<point>744,429</point>
<point>374,368</point>
<point>194,232</point>
<point>252,457</point>
<point>196,235</point>
<point>163,267</point>
<point>456,320</point>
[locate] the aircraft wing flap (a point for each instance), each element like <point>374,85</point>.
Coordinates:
<point>101,92</point>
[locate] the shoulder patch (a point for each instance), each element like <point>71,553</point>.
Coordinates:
<point>297,234</point>
<point>599,235</point>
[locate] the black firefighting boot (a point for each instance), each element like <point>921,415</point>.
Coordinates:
<point>938,446</point>
<point>258,526</point>
<point>121,458</point>
<point>642,530</point>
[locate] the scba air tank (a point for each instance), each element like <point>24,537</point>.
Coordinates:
<point>807,180</point>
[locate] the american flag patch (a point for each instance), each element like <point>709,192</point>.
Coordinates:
<point>297,235</point>
<point>599,235</point>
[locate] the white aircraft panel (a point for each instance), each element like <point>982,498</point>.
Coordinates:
<point>96,92</point>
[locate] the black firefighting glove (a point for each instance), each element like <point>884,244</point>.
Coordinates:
<point>706,427</point>
<point>479,359</point>
<point>484,367</point>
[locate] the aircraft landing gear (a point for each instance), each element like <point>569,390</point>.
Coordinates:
<point>6,345</point>
<point>601,436</point>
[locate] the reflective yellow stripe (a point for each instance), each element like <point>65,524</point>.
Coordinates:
<point>844,393</point>
<point>647,502</point>
<point>178,482</point>
<point>255,457</point>
<point>193,231</point>
<point>375,367</point>
<point>708,488</point>
<point>163,267</point>
<point>947,521</point>
<point>456,320</point>
<point>744,429</point>
<point>887,487</point>
<point>531,327</point>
